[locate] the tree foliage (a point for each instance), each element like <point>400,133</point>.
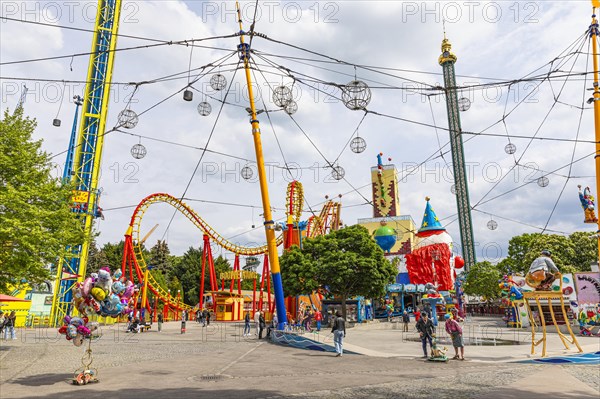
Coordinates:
<point>571,254</point>
<point>160,257</point>
<point>36,222</point>
<point>347,262</point>
<point>482,280</point>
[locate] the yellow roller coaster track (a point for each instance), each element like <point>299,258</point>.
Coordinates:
<point>183,208</point>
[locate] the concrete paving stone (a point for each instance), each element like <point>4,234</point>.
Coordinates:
<point>219,362</point>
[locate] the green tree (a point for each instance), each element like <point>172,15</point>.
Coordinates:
<point>571,254</point>
<point>160,257</point>
<point>299,273</point>
<point>112,255</point>
<point>36,222</point>
<point>585,250</point>
<point>174,286</point>
<point>160,279</point>
<point>96,258</point>
<point>347,261</point>
<point>483,280</point>
<point>562,249</point>
<point>187,269</point>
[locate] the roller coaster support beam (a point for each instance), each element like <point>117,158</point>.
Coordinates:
<point>244,53</point>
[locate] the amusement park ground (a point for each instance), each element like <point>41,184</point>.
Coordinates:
<point>217,362</point>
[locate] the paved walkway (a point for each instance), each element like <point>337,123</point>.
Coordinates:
<point>218,362</point>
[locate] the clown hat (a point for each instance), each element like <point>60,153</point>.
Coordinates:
<point>430,220</point>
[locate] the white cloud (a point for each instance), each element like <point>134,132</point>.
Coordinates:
<point>395,35</point>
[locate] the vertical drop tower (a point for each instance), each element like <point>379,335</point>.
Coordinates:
<point>447,60</point>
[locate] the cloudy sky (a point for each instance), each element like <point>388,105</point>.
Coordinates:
<point>392,46</point>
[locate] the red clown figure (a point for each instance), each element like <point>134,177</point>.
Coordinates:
<point>429,261</point>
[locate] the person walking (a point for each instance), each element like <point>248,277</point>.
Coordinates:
<point>206,316</point>
<point>455,331</point>
<point>318,319</point>
<point>339,333</point>
<point>1,322</point>
<point>261,325</point>
<point>308,321</point>
<point>417,314</point>
<point>426,331</point>
<point>257,321</point>
<point>160,320</point>
<point>405,320</point>
<point>9,326</point>
<point>247,324</point>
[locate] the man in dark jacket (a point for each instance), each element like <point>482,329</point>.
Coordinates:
<point>339,332</point>
<point>426,331</point>
<point>261,325</point>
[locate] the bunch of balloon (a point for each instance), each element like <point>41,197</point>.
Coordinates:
<point>100,294</point>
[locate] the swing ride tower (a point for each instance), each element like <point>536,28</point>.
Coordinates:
<point>447,60</point>
<point>85,169</point>
<point>269,223</point>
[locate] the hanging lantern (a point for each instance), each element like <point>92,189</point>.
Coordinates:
<point>282,95</point>
<point>464,104</point>
<point>543,181</point>
<point>291,107</point>
<point>138,151</point>
<point>453,189</point>
<point>218,82</point>
<point>56,122</point>
<point>128,119</point>
<point>358,145</point>
<point>188,95</point>
<point>356,95</point>
<point>246,173</point>
<point>338,173</point>
<point>510,148</point>
<point>204,108</point>
<point>492,224</point>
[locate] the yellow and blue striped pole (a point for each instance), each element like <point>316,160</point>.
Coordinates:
<point>244,53</point>
<point>594,36</point>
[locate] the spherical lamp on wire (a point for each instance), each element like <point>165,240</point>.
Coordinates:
<point>358,145</point>
<point>138,151</point>
<point>543,181</point>
<point>492,224</point>
<point>218,82</point>
<point>247,173</point>
<point>128,119</point>
<point>510,148</point>
<point>282,95</point>
<point>338,172</point>
<point>356,95</point>
<point>453,189</point>
<point>291,107</point>
<point>464,104</point>
<point>204,108</point>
